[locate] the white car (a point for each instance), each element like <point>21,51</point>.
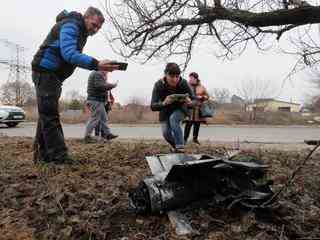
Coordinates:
<point>11,115</point>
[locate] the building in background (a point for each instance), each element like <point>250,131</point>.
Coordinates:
<point>272,105</point>
<point>236,100</point>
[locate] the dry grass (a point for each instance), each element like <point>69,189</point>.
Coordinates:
<point>131,116</point>
<point>89,200</point>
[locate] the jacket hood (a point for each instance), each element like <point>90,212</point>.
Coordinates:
<point>65,15</point>
<point>72,15</point>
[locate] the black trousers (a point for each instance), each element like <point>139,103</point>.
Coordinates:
<point>49,142</point>
<point>187,130</point>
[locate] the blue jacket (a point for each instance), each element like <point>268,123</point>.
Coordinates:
<point>61,52</point>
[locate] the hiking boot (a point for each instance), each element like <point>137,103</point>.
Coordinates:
<point>37,156</point>
<point>196,141</point>
<point>68,159</point>
<point>89,139</point>
<point>172,150</point>
<point>111,136</point>
<point>65,159</point>
<point>179,150</point>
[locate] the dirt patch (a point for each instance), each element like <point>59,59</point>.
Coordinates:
<point>89,200</point>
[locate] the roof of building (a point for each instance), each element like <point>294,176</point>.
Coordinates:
<point>259,100</point>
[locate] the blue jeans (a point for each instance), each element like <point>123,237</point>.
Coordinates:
<point>172,131</point>
<point>98,117</point>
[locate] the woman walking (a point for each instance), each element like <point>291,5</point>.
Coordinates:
<point>195,118</point>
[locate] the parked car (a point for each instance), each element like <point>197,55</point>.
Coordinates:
<point>11,115</point>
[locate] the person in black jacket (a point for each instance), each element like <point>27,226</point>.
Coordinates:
<point>56,60</point>
<point>96,101</point>
<point>172,112</point>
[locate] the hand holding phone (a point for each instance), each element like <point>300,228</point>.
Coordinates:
<point>122,65</point>
<point>179,97</point>
<point>106,65</point>
<point>167,100</point>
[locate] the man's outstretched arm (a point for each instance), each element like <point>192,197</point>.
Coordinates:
<point>69,48</point>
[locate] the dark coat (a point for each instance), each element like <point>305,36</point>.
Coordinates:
<point>98,87</point>
<point>161,90</point>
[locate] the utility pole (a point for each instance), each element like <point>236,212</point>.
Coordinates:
<point>17,67</point>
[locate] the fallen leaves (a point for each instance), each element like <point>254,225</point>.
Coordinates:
<point>89,200</point>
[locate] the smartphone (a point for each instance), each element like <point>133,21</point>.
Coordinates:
<point>179,97</point>
<point>122,65</point>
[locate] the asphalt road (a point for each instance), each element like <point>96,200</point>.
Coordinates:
<point>219,133</point>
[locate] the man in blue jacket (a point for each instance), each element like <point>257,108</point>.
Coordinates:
<point>55,61</point>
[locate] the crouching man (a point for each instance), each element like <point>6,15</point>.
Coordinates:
<point>96,101</point>
<point>167,98</point>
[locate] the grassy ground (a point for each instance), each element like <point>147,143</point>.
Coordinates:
<point>89,200</point>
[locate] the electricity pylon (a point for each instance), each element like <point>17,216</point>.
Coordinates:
<point>17,67</point>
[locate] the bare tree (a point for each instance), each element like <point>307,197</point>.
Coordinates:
<point>314,78</point>
<point>74,100</point>
<point>221,95</point>
<point>163,28</point>
<point>74,95</point>
<point>136,100</point>
<point>304,43</point>
<point>252,89</point>
<point>137,106</point>
<point>17,93</point>
<point>312,97</point>
<point>316,104</point>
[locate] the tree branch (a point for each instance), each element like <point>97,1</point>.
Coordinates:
<point>163,28</point>
<point>296,16</point>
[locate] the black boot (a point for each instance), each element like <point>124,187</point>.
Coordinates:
<point>187,129</point>
<point>111,136</point>
<point>196,129</point>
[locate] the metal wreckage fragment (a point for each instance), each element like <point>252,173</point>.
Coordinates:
<point>178,180</point>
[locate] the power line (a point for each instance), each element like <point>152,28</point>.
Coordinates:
<point>17,67</point>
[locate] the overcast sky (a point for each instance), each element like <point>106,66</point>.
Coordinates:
<point>28,22</point>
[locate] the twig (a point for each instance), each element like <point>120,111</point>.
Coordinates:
<point>290,180</point>
<point>282,231</point>
<point>61,208</point>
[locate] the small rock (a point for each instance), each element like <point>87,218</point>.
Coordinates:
<point>52,211</point>
<point>85,194</point>
<point>139,221</point>
<point>61,220</point>
<point>98,214</point>
<point>263,236</point>
<point>216,236</point>
<point>75,219</point>
<point>247,221</point>
<point>236,228</point>
<point>71,210</point>
<point>101,204</point>
<point>66,232</point>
